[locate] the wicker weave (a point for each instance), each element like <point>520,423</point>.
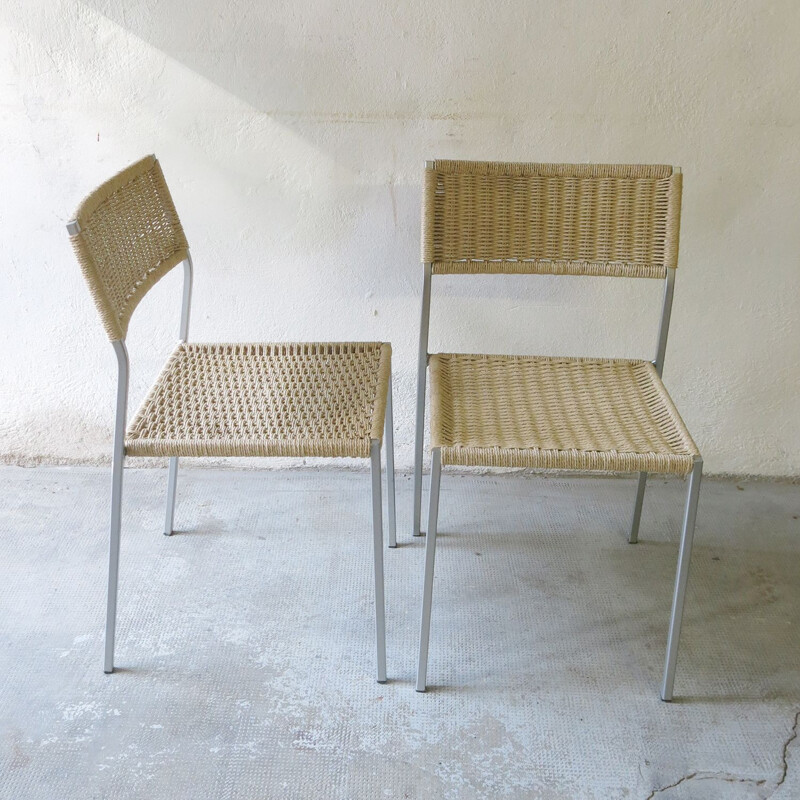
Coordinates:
<point>556,413</point>
<point>578,219</point>
<point>129,237</point>
<point>311,399</point>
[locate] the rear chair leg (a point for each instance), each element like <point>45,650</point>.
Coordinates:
<point>117,465</point>
<point>681,579</point>
<point>113,562</point>
<point>633,535</point>
<point>377,529</point>
<point>422,377</point>
<point>430,557</point>
<point>390,492</point>
<point>419,443</point>
<point>172,484</point>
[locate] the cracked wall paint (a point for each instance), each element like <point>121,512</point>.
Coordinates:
<point>293,138</point>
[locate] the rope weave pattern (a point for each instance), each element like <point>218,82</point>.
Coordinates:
<point>310,399</point>
<point>576,219</point>
<point>556,413</point>
<point>130,237</point>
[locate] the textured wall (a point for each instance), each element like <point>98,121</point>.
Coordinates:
<point>293,135</point>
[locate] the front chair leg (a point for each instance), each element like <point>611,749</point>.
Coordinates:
<point>172,484</point>
<point>430,557</point>
<point>377,529</point>
<point>681,579</point>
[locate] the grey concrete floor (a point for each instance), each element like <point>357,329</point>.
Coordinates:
<point>245,641</point>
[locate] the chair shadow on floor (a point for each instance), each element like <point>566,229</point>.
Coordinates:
<point>606,597</point>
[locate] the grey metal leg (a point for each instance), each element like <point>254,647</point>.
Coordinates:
<point>430,557</point>
<point>377,527</point>
<point>633,536</point>
<point>113,562</point>
<point>422,376</point>
<point>419,443</point>
<point>681,579</point>
<point>390,491</point>
<point>117,464</point>
<point>172,483</point>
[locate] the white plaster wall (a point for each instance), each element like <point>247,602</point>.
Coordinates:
<point>293,135</point>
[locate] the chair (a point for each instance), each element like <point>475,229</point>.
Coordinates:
<point>552,413</point>
<point>293,399</point>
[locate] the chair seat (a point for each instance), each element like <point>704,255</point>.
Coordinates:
<point>556,413</point>
<point>300,399</point>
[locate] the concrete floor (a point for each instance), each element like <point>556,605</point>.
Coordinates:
<point>246,641</point>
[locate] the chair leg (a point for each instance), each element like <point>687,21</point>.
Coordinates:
<point>422,377</point>
<point>113,560</point>
<point>390,491</point>
<point>633,535</point>
<point>117,465</point>
<point>419,443</point>
<point>377,528</point>
<point>172,484</point>
<point>430,557</point>
<point>681,579</point>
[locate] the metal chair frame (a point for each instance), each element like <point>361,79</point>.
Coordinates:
<point>117,470</point>
<point>690,513</point>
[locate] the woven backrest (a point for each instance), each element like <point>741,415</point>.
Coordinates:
<point>569,219</point>
<point>127,237</point>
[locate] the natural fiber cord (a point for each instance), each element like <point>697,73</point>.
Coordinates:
<point>577,219</point>
<point>129,237</point>
<point>310,399</point>
<point>556,413</point>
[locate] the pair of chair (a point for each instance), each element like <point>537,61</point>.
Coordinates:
<point>334,399</point>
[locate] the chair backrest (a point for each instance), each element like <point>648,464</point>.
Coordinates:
<point>126,235</point>
<point>567,219</point>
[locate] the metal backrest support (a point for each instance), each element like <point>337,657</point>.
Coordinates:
<point>577,219</point>
<point>127,236</point>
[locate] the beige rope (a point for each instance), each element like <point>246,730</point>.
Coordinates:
<point>556,413</point>
<point>130,237</point>
<point>309,399</point>
<point>577,219</point>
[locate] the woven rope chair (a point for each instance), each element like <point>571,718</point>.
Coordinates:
<point>296,399</point>
<point>552,413</point>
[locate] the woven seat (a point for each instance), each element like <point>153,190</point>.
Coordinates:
<point>556,413</point>
<point>310,399</point>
